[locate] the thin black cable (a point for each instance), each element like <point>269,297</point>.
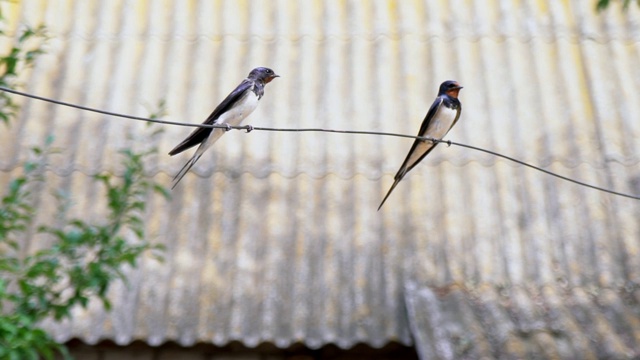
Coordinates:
<point>58,102</point>
<point>543,170</point>
<point>249,128</point>
<point>226,127</point>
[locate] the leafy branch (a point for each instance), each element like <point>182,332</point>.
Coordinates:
<point>84,259</point>
<point>601,5</point>
<point>21,56</point>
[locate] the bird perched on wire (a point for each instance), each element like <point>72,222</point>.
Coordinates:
<point>231,111</point>
<point>442,115</point>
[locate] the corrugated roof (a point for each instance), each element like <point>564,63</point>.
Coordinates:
<point>274,237</point>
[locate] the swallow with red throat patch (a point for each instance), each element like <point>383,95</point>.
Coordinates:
<point>442,115</point>
<point>231,111</point>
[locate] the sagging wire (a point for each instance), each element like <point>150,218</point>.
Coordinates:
<point>249,128</point>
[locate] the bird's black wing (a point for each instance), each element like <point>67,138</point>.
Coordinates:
<point>200,134</point>
<point>405,168</point>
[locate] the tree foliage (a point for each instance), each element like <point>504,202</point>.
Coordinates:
<point>20,57</point>
<point>603,4</point>
<point>82,258</point>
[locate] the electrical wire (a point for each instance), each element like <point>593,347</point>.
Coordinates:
<point>249,128</point>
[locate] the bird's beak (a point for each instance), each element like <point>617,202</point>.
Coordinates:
<point>272,77</point>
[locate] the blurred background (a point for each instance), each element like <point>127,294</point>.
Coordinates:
<point>274,247</point>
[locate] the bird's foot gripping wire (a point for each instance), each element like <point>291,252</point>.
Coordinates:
<point>448,142</point>
<point>227,127</point>
<point>248,128</point>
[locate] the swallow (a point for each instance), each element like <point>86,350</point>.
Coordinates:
<point>442,115</point>
<point>232,110</point>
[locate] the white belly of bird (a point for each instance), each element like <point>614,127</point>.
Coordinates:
<point>245,107</point>
<point>438,128</point>
<point>441,123</point>
<point>232,117</point>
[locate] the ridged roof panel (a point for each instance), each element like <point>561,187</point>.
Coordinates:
<point>274,236</point>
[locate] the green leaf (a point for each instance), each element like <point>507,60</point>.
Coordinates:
<point>162,191</point>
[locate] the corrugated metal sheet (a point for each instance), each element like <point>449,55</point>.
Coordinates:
<point>275,236</point>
